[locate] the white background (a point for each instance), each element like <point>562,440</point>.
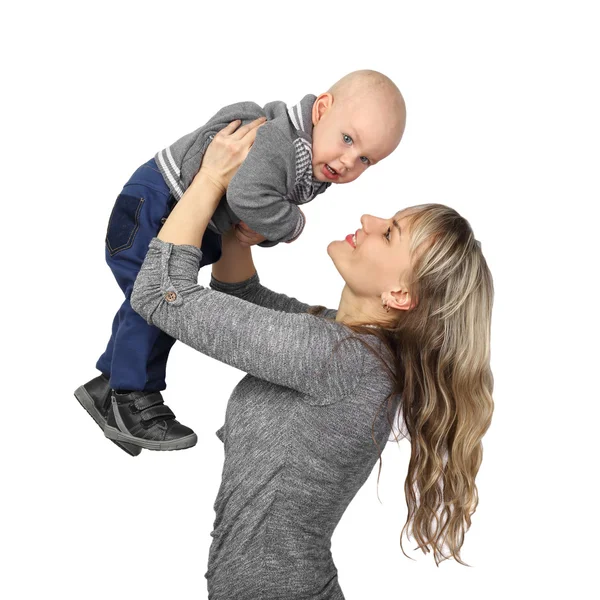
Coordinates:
<point>503,125</point>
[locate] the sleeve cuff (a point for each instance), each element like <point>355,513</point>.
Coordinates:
<point>158,243</point>
<point>234,289</point>
<point>299,228</point>
<point>179,263</point>
<point>167,269</point>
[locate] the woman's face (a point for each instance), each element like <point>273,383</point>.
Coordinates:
<point>375,259</point>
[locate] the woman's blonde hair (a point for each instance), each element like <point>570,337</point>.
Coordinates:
<point>440,352</point>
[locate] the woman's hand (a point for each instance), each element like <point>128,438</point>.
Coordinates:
<point>189,219</point>
<point>227,152</point>
<point>246,236</point>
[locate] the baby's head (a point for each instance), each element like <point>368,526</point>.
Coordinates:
<point>357,123</point>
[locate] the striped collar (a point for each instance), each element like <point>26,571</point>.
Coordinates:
<point>301,116</point>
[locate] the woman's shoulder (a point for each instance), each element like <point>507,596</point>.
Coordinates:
<point>362,350</point>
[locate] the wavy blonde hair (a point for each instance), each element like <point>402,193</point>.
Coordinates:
<point>440,352</point>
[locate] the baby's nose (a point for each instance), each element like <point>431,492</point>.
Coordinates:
<point>346,161</point>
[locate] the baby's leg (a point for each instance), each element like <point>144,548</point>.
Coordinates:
<point>135,219</point>
<point>136,355</point>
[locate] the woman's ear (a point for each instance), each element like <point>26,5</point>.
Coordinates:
<point>399,300</point>
<point>321,105</point>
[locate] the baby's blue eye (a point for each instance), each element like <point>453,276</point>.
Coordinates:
<point>347,139</point>
<point>364,160</point>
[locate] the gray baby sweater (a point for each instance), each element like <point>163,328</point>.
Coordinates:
<point>274,179</point>
<point>297,434</point>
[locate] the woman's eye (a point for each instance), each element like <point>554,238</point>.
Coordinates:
<point>387,234</point>
<point>364,160</point>
<point>347,139</point>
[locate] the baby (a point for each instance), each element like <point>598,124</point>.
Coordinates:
<point>298,153</point>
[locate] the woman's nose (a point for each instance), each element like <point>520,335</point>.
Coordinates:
<point>373,224</point>
<point>367,222</point>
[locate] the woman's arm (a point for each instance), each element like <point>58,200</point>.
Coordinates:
<point>189,219</point>
<point>236,262</point>
<point>235,274</point>
<point>300,351</point>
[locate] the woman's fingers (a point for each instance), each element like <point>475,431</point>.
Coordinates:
<point>230,128</point>
<point>227,151</point>
<point>241,237</point>
<point>245,235</point>
<point>239,139</point>
<point>248,128</point>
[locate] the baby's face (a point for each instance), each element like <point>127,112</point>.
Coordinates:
<point>349,137</point>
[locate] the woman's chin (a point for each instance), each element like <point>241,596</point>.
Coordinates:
<point>338,248</point>
<point>333,249</point>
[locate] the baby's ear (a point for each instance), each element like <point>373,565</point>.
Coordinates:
<point>321,105</point>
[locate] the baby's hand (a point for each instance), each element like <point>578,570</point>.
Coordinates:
<point>246,236</point>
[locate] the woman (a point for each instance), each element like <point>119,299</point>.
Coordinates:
<point>305,427</point>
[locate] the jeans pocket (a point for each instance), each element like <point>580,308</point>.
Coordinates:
<point>124,223</point>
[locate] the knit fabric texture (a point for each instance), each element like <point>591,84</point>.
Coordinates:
<point>303,429</point>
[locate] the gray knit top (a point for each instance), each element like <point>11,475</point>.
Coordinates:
<point>299,427</point>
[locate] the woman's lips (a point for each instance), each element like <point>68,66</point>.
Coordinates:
<point>349,240</point>
<point>329,174</point>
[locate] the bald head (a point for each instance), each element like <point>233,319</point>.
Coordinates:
<point>357,123</point>
<point>359,86</point>
<point>359,82</point>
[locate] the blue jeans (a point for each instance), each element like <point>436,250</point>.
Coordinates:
<point>136,355</point>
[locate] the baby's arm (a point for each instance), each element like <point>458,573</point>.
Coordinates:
<point>256,192</point>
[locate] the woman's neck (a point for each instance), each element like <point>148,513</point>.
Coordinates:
<point>354,310</point>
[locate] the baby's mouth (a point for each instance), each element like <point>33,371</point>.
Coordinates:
<point>330,173</point>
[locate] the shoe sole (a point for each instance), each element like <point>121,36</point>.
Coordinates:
<point>87,402</point>
<point>116,436</point>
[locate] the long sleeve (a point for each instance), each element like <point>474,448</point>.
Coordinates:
<point>256,193</point>
<point>251,290</point>
<point>309,354</point>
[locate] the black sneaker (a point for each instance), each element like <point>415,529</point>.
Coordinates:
<point>94,396</point>
<point>143,419</point>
